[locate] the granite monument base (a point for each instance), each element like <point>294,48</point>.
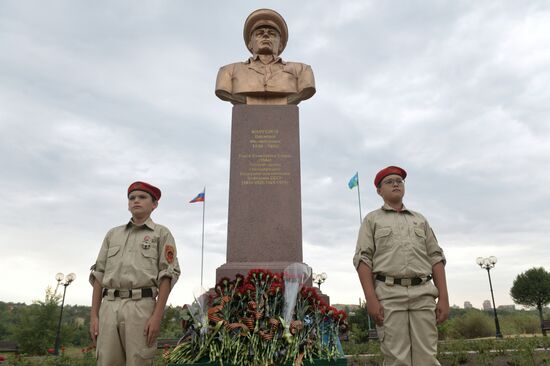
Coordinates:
<point>265,213</point>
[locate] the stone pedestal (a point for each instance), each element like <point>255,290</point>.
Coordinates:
<point>265,213</point>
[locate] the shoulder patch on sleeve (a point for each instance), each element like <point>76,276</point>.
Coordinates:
<point>169,253</point>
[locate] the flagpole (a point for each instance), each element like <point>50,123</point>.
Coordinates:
<point>202,246</point>
<point>359,197</point>
<point>360,222</point>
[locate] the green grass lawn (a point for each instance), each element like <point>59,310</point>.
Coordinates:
<point>71,357</point>
<point>510,351</point>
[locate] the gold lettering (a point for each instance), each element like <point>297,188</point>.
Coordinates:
<point>262,167</point>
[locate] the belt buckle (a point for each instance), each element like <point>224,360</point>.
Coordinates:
<point>137,294</point>
<point>389,281</point>
<point>110,294</point>
<point>406,282</point>
<point>123,294</point>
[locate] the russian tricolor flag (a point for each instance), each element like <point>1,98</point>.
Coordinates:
<point>199,198</point>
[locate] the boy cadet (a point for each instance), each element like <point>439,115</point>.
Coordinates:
<point>132,277</point>
<point>396,257</point>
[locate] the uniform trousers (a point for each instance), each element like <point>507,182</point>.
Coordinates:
<point>121,340</point>
<point>408,336</point>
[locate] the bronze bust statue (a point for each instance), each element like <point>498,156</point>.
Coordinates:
<point>265,78</point>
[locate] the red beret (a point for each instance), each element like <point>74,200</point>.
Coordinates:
<point>388,171</point>
<point>146,187</point>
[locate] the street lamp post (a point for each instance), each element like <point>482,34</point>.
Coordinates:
<point>319,278</point>
<point>488,263</point>
<point>66,282</point>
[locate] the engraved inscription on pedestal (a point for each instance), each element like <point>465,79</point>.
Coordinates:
<point>265,165</point>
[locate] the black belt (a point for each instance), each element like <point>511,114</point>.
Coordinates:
<point>145,292</point>
<point>406,281</point>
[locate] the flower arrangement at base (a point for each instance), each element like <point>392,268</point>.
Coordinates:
<point>261,319</point>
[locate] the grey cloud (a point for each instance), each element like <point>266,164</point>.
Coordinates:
<point>94,97</point>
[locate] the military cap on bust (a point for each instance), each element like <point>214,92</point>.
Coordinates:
<point>388,171</point>
<point>146,187</point>
<point>265,17</point>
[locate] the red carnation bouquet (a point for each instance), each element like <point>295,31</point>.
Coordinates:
<point>264,318</point>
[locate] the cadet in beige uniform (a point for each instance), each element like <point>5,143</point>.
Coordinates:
<point>132,277</point>
<point>396,257</point>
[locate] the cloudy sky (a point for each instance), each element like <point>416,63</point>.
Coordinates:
<point>95,95</point>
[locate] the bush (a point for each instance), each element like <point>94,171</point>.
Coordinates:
<point>363,348</point>
<point>473,324</point>
<point>444,330</point>
<point>520,323</point>
<point>35,330</point>
<point>359,324</point>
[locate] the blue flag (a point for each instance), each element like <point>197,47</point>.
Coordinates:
<point>354,181</point>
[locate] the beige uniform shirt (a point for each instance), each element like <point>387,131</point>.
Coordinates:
<point>136,257</point>
<point>397,244</point>
<point>253,77</point>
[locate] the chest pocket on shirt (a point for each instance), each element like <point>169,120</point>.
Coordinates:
<point>383,238</point>
<point>289,70</point>
<point>149,257</point>
<point>420,235</point>
<point>111,254</point>
<point>286,77</point>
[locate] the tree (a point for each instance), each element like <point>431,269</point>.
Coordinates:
<point>532,288</point>
<point>359,324</point>
<point>36,326</point>
<point>170,326</point>
<point>4,320</point>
